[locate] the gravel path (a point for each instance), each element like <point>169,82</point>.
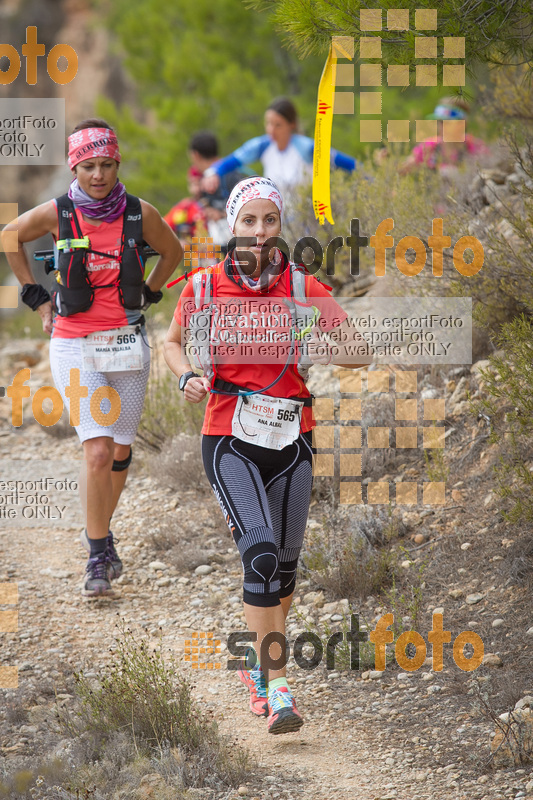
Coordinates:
<point>366,736</point>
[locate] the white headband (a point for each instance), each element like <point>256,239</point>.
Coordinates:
<point>251,189</point>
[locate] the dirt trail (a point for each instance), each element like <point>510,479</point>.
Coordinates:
<point>366,739</point>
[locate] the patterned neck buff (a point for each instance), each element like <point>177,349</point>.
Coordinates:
<point>267,279</point>
<point>108,209</point>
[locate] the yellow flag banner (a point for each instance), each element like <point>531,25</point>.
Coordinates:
<point>323,126</point>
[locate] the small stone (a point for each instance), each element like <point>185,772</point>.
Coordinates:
<point>455,593</point>
<point>337,607</point>
<point>529,631</point>
<point>466,546</point>
<point>492,660</point>
<point>438,610</point>
<point>472,599</point>
<point>315,599</point>
<point>242,791</point>
<point>457,496</point>
<point>203,569</point>
<point>483,779</point>
<point>163,582</point>
<point>403,676</point>
<point>420,538</point>
<point>434,688</point>
<point>525,702</point>
<point>336,618</point>
<point>155,565</point>
<point>509,746</point>
<point>405,564</point>
<point>497,623</point>
<point>375,674</point>
<point>334,675</point>
<point>427,676</point>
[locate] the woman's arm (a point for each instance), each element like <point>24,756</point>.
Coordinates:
<point>160,236</point>
<point>343,161</point>
<point>30,226</point>
<point>342,346</point>
<point>176,358</point>
<point>250,151</point>
<point>306,147</point>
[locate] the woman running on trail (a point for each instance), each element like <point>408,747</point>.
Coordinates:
<point>250,326</point>
<point>286,156</point>
<point>99,232</point>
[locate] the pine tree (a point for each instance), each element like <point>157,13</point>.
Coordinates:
<point>198,65</point>
<point>494,32</point>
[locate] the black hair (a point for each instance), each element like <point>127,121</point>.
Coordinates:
<point>93,122</point>
<point>205,143</point>
<point>286,108</point>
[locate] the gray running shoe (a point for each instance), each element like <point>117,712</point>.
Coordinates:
<point>114,562</point>
<point>97,575</point>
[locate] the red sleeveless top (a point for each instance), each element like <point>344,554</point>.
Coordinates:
<point>107,311</point>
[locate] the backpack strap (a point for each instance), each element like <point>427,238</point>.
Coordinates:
<point>298,284</point>
<point>132,230</point>
<point>69,226</point>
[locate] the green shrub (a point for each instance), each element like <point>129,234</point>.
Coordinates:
<point>351,556</point>
<point>142,696</point>
<point>509,383</point>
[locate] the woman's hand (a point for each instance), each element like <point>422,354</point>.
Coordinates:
<point>45,313</point>
<point>196,389</point>
<point>319,349</point>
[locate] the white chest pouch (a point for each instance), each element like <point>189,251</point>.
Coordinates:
<point>272,422</point>
<point>117,350</point>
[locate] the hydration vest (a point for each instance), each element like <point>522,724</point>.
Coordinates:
<point>202,342</point>
<point>75,292</point>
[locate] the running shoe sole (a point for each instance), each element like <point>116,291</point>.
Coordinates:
<point>286,722</point>
<point>99,591</point>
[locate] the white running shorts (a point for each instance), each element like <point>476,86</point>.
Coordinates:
<point>130,385</point>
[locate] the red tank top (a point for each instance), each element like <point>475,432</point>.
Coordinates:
<point>220,408</point>
<point>106,311</point>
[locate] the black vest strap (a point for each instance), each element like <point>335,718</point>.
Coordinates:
<point>75,292</point>
<point>233,388</point>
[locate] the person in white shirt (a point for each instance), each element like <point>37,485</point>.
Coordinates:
<point>286,156</point>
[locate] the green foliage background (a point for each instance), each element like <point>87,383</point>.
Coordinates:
<point>493,31</point>
<point>216,66</point>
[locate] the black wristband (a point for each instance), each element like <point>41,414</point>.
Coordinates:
<point>34,295</point>
<point>151,296</point>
